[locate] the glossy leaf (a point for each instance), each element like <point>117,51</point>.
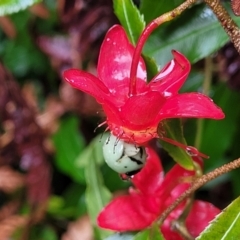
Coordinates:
<point>12,6</point>
<point>154,8</point>
<point>69,143</point>
<point>130,18</point>
<point>226,225</point>
<point>150,234</point>
<point>194,82</point>
<point>187,34</point>
<point>172,128</point>
<point>152,68</point>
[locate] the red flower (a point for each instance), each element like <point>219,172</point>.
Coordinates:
<point>153,194</point>
<point>135,118</point>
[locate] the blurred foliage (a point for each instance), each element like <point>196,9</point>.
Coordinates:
<point>66,138</point>
<point>38,43</point>
<point>11,6</point>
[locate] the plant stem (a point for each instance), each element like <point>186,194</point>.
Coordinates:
<point>192,151</point>
<point>197,183</point>
<point>235,7</point>
<point>208,67</point>
<point>180,224</point>
<point>145,34</point>
<point>226,21</point>
<point>208,70</point>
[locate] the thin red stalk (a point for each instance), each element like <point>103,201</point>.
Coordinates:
<point>136,56</point>
<point>144,36</point>
<point>190,149</point>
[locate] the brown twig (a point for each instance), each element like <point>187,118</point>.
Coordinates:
<point>226,21</point>
<point>199,182</point>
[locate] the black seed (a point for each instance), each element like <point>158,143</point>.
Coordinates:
<point>125,166</point>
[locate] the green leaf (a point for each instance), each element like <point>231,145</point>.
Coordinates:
<point>196,33</point>
<point>224,130</point>
<point>27,59</point>
<point>12,6</point>
<point>95,146</point>
<point>151,9</point>
<point>130,18</point>
<point>226,225</point>
<point>71,203</point>
<point>193,83</point>
<point>97,195</point>
<point>152,68</point>
<point>48,233</point>
<point>150,234</point>
<point>41,232</point>
<point>172,129</point>
<point>69,143</point>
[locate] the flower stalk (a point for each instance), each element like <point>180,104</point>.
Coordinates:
<point>208,72</point>
<point>166,17</point>
<point>180,224</point>
<point>199,182</point>
<point>136,118</point>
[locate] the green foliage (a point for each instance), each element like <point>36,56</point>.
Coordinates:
<point>69,143</point>
<point>130,18</point>
<point>153,8</point>
<point>21,55</point>
<point>12,6</point>
<point>97,195</point>
<point>152,68</point>
<point>71,204</point>
<point>172,128</point>
<point>226,225</point>
<point>43,232</point>
<point>196,33</point>
<point>214,130</point>
<point>152,233</point>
